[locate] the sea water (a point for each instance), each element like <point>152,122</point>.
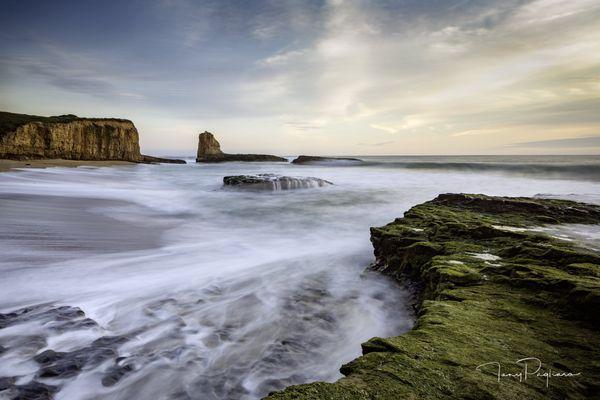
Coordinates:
<point>162,284</point>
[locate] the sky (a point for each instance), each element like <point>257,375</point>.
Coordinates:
<point>407,77</point>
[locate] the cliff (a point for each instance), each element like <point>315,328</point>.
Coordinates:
<point>209,151</point>
<point>67,137</point>
<point>492,289</point>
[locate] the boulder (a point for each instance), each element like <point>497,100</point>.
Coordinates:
<point>273,182</point>
<point>209,151</point>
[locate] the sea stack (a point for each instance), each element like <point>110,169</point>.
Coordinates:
<point>208,146</point>
<point>209,151</point>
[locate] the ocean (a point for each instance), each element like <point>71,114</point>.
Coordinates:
<point>157,282</point>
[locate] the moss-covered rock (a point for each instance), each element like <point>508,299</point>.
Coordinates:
<point>491,290</point>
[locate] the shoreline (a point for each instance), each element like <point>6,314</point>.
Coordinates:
<point>10,165</point>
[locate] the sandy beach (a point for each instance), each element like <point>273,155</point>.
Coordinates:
<point>7,165</point>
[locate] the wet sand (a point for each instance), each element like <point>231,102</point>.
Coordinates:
<point>40,229</point>
<point>7,165</point>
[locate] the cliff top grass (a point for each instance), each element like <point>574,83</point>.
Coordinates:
<point>492,289</point>
<point>9,122</point>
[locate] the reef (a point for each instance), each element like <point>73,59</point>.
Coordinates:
<point>494,294</point>
<point>161,160</point>
<point>324,160</point>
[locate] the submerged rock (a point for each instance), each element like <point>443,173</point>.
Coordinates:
<point>324,160</point>
<point>487,296</point>
<point>61,318</point>
<point>273,182</point>
<point>30,391</point>
<point>209,151</point>
<point>66,364</point>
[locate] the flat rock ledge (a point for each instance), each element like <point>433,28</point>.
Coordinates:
<point>161,160</point>
<point>324,160</point>
<point>218,158</point>
<point>490,290</point>
<point>271,182</point>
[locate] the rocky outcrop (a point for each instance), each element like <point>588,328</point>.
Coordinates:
<point>68,137</point>
<point>491,289</point>
<point>161,160</point>
<point>209,151</point>
<point>324,160</point>
<point>273,182</point>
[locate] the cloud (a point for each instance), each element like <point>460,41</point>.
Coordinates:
<point>280,58</point>
<point>384,128</point>
<point>377,144</point>
<point>69,71</point>
<point>459,77</point>
<point>582,142</point>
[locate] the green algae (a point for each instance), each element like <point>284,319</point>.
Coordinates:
<point>486,295</point>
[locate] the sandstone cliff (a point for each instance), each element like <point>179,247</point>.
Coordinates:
<point>209,150</point>
<point>68,137</point>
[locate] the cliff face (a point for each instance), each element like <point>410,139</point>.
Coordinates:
<point>209,150</point>
<point>73,139</point>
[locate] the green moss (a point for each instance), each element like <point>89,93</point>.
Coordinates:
<point>11,121</point>
<point>538,297</point>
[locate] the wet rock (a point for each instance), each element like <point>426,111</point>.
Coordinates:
<point>61,318</point>
<point>209,151</point>
<point>6,383</point>
<point>161,160</point>
<point>273,182</point>
<point>32,391</point>
<point>66,364</point>
<point>324,160</point>
<point>116,373</point>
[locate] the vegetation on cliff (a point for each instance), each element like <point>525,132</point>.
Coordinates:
<point>491,290</point>
<point>11,121</point>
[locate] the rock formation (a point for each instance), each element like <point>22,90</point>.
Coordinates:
<point>209,150</point>
<point>161,160</point>
<point>273,182</point>
<point>323,160</point>
<point>24,137</point>
<point>490,290</point>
